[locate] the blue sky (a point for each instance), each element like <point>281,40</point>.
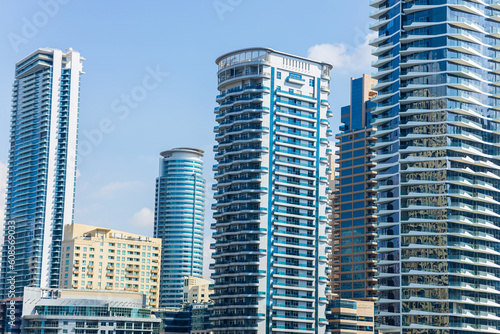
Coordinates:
<point>123,41</point>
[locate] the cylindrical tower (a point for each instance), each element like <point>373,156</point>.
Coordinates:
<point>179,220</point>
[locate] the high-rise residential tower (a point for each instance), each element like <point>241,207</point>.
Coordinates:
<point>438,165</point>
<point>354,221</point>
<point>42,168</point>
<point>271,188</point>
<point>179,221</point>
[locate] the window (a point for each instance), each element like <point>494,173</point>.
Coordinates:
<point>311,82</point>
<point>358,170</point>
<point>347,206</point>
<point>358,222</point>
<point>359,294</point>
<point>346,294</point>
<point>347,155</point>
<point>346,259</point>
<point>346,233</point>
<point>346,277</point>
<point>359,249</point>
<point>278,75</point>
<point>359,178</point>
<point>358,258</point>
<point>359,161</point>
<point>346,180</point>
<point>359,213</point>
<point>346,241</point>
<point>347,189</point>
<point>346,223</point>
<point>358,231</point>
<point>347,267</point>
<point>346,172</point>
<point>359,153</point>
<point>359,240</point>
<point>346,250</point>
<point>358,285</point>
<point>358,205</point>
<point>345,286</point>
<point>346,215</point>
<point>359,196</point>
<point>357,276</point>
<point>359,266</point>
<point>358,144</point>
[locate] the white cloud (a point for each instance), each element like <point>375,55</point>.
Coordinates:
<point>143,219</point>
<point>345,57</point>
<point>111,189</point>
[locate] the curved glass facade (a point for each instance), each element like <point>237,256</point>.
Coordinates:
<point>179,221</point>
<point>271,183</point>
<point>438,165</point>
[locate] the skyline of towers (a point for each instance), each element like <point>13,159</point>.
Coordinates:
<point>354,221</point>
<point>41,168</point>
<point>179,220</point>
<point>438,167</point>
<point>270,268</point>
<point>438,199</point>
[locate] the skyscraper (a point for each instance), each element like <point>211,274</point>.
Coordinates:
<point>438,165</point>
<point>42,168</point>
<point>179,220</point>
<point>354,222</point>
<point>271,190</point>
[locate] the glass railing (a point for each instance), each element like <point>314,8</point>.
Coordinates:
<point>240,89</point>
<point>295,94</point>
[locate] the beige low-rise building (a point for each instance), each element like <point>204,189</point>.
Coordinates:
<point>347,316</point>
<point>196,290</point>
<point>105,259</point>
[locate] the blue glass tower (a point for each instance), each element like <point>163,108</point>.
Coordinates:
<point>438,123</point>
<point>271,187</point>
<point>179,220</point>
<point>42,168</point>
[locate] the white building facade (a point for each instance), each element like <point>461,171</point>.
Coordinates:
<point>271,190</point>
